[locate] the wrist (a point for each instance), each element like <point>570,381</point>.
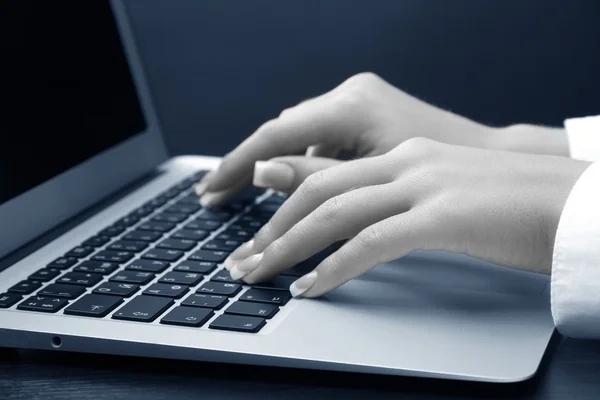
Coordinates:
<point>526,138</point>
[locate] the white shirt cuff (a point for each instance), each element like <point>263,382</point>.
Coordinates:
<point>583,135</point>
<point>575,287</point>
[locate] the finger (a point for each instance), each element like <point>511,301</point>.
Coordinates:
<point>210,199</point>
<point>339,218</point>
<point>285,174</point>
<point>384,241</point>
<point>322,150</point>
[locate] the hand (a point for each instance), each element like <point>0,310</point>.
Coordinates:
<point>367,116</point>
<point>497,206</point>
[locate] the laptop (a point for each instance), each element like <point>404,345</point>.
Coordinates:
<point>137,269</point>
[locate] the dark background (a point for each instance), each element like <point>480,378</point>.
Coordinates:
<point>218,69</point>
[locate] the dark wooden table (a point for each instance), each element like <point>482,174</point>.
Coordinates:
<point>570,370</point>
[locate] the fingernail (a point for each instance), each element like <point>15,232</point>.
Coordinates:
<point>273,175</point>
<point>299,287</point>
<point>239,254</point>
<point>209,199</point>
<point>201,186</point>
<point>243,268</point>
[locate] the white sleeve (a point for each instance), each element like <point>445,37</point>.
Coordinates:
<point>583,135</point>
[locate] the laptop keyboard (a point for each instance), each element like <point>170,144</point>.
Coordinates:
<point>162,262</point>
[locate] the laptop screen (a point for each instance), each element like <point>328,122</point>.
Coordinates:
<point>66,88</point>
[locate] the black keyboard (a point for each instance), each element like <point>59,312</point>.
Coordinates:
<point>162,262</point>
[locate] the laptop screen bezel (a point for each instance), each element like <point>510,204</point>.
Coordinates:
<point>39,209</point>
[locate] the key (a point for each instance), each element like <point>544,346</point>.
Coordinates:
<point>80,278</point>
<point>94,305</point>
<point>223,276</point>
<point>157,226</point>
<point>42,304</point>
<point>112,231</point>
<point>177,244</point>
<point>281,282</point>
<point>128,245</point>
<point>222,245</point>
<point>182,278</point>
<point>119,257</point>
<point>267,207</point>
<point>44,275</point>
<point>188,316</point>
<point>9,299</point>
<point>172,218</point>
<point>203,225</point>
<point>117,289</point>
<point>25,287</point>
<point>209,255</point>
<point>127,221</point>
<point>97,267</point>
<point>64,291</point>
<point>143,308</point>
<point>166,290</point>
<point>163,255</point>
<point>143,236</point>
<point>220,288</point>
<point>80,252</point>
<point>252,226</point>
<point>213,215</point>
<point>155,266</point>
<point>155,203</point>
<point>189,199</point>
<point>252,309</point>
<point>141,212</point>
<point>186,209</point>
<point>253,217</point>
<point>63,262</point>
<point>201,267</point>
<point>238,323</point>
<point>140,278</point>
<point>278,297</point>
<point>171,193</point>
<point>205,300</point>
<point>96,241</point>
<point>239,235</point>
<point>196,235</point>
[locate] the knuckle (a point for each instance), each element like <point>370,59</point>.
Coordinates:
<point>363,78</point>
<point>331,209</point>
<point>370,238</point>
<point>268,128</point>
<point>312,185</point>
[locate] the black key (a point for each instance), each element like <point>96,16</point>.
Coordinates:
<point>281,282</point>
<point>64,291</point>
<point>96,241</point>
<point>119,257</point>
<point>165,290</point>
<point>42,304</point>
<point>220,288</point>
<point>172,218</point>
<point>203,225</point>
<point>171,193</point>
<point>162,255</point>
<point>268,207</point>
<point>155,266</point>
<point>155,203</point>
<point>223,245</point>
<point>177,244</point>
<point>147,236</point>
<point>186,209</point>
<point>253,217</point>
<point>239,235</point>
<point>201,267</point>
<point>128,245</point>
<point>97,267</point>
<point>112,231</point>
<point>238,323</point>
<point>94,305</point>
<point>209,255</point>
<point>141,212</point>
<point>137,277</point>
<point>252,309</point>
<point>249,226</point>
<point>117,289</point>
<point>278,297</point>
<point>189,199</point>
<point>205,300</point>
<point>196,235</point>
<point>157,226</point>
<point>25,287</point>
<point>80,252</point>
<point>44,275</point>
<point>182,278</point>
<point>80,278</point>
<point>63,262</point>
<point>223,276</point>
<point>213,215</point>
<point>127,221</point>
<point>188,316</point>
<point>9,299</point>
<point>143,308</point>
<point>236,206</point>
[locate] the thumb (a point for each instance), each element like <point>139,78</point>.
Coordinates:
<point>285,174</point>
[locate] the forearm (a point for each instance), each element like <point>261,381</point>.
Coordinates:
<point>526,138</point>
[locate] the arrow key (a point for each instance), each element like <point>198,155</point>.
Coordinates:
<point>94,305</point>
